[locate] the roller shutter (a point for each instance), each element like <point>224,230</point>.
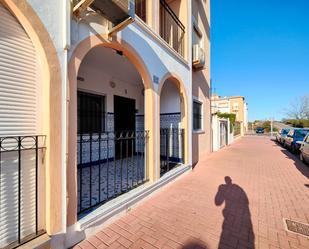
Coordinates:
<point>18,117</point>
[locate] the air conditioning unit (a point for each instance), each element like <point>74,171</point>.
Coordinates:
<point>198,57</point>
<point>120,13</point>
<point>115,11</point>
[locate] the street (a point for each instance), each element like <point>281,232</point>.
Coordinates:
<point>234,198</point>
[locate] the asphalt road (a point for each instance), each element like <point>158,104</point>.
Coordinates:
<point>280,125</point>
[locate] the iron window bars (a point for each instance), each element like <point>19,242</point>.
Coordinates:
<point>22,184</point>
<point>197,115</point>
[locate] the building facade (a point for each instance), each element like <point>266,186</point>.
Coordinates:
<point>233,104</point>
<point>101,103</point>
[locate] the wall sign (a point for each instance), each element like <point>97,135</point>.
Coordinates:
<point>155,79</point>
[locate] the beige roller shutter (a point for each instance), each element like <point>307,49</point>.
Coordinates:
<point>18,78</point>
<point>18,117</point>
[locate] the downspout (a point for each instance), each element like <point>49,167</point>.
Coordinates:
<point>66,8</point>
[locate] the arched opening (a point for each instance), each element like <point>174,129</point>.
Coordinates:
<point>111,145</point>
<point>172,125</point>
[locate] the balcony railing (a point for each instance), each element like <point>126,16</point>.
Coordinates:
<point>171,28</point>
<point>171,148</point>
<point>109,164</point>
<point>22,197</point>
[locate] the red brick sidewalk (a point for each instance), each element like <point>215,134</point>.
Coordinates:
<point>203,209</point>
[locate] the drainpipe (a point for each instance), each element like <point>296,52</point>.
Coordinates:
<point>66,8</point>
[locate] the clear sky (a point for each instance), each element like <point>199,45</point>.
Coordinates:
<point>260,50</point>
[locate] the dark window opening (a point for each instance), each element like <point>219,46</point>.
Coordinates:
<point>140,9</point>
<point>197,115</point>
<point>90,113</point>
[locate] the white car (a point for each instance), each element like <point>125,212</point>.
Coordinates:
<point>304,149</point>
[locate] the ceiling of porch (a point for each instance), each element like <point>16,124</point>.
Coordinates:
<point>112,63</point>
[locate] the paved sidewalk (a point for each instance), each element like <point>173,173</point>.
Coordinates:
<point>235,198</point>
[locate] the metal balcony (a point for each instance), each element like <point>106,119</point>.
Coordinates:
<point>172,29</point>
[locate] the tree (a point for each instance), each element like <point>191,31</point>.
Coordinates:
<point>299,108</point>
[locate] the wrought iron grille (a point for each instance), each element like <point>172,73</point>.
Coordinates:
<point>171,148</point>
<point>22,187</point>
<point>109,164</point>
<point>172,29</point>
<point>197,115</point>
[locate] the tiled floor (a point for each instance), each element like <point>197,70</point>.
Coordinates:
<point>109,179</point>
<point>235,198</point>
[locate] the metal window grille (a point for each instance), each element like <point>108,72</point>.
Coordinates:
<point>91,113</point>
<point>197,115</point>
<point>22,181</point>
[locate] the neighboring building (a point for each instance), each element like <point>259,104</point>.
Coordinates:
<point>233,104</point>
<point>99,102</point>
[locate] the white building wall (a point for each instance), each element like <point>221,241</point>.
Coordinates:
<point>55,16</point>
<point>169,99</point>
<point>98,82</point>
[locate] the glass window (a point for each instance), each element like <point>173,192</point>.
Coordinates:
<point>197,115</point>
<point>301,133</point>
<point>90,113</point>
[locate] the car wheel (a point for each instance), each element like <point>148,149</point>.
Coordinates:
<point>293,149</point>
<point>301,157</point>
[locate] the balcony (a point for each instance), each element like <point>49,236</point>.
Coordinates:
<point>172,30</point>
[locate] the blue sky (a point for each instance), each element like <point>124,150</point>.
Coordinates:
<point>260,49</point>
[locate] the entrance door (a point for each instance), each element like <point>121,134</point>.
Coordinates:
<point>223,133</point>
<point>124,122</point>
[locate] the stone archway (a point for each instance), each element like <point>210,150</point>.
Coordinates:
<point>176,123</point>
<point>75,62</point>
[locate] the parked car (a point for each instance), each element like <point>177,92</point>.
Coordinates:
<point>281,135</point>
<point>304,149</point>
<point>294,136</point>
<point>259,130</point>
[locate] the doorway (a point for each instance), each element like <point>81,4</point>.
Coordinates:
<point>124,126</point>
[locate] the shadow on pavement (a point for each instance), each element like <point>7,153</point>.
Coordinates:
<point>237,230</point>
<point>194,245</point>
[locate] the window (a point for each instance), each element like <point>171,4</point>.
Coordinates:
<point>301,133</point>
<point>90,113</point>
<point>197,115</point>
<point>235,106</point>
<point>140,9</point>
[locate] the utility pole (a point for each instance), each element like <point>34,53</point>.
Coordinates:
<point>271,127</point>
